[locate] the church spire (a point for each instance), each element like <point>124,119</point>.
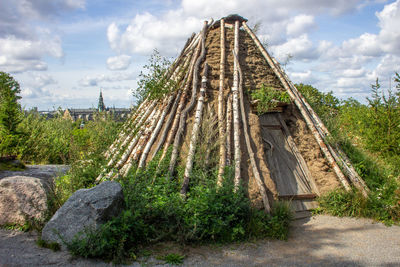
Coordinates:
<point>101,107</point>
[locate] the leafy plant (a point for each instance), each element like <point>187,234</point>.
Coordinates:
<point>43,244</point>
<point>267,98</point>
<point>10,114</point>
<point>369,137</point>
<point>173,259</point>
<point>155,82</point>
<point>155,211</point>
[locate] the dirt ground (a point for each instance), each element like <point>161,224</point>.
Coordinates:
<point>317,241</point>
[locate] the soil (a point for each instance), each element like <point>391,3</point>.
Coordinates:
<point>318,241</point>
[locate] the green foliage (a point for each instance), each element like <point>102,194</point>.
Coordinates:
<point>267,98</point>
<point>370,137</point>
<point>383,121</point>
<point>173,259</point>
<point>155,211</point>
<point>324,104</point>
<point>60,140</point>
<point>10,114</point>
<point>11,165</point>
<point>43,244</point>
<point>154,82</point>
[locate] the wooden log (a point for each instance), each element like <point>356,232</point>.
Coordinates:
<point>337,153</point>
<point>124,130</point>
<point>298,197</point>
<point>132,131</point>
<point>229,130</point>
<point>302,109</point>
<point>129,139</point>
<point>175,124</point>
<point>127,153</point>
<point>195,133</point>
<point>154,134</point>
<point>235,107</point>
<point>137,150</point>
<point>256,173</point>
<point>182,121</point>
<point>171,116</point>
<point>167,125</point>
<point>221,129</point>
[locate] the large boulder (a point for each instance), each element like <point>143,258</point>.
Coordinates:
<point>22,199</point>
<point>86,208</point>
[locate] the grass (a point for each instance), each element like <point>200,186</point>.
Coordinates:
<point>43,244</point>
<point>172,259</point>
<point>11,165</point>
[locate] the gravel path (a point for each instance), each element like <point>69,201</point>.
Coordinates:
<point>318,241</point>
<point>46,172</point>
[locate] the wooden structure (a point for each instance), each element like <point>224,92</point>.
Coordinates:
<point>282,154</point>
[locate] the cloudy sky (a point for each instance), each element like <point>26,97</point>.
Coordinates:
<point>63,51</point>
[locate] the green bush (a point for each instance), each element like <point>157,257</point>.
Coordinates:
<point>267,98</point>
<point>368,136</point>
<point>155,211</point>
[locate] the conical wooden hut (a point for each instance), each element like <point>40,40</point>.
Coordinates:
<point>279,154</point>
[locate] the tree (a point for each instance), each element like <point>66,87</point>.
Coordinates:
<point>10,113</point>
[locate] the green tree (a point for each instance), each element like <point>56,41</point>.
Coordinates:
<point>10,114</point>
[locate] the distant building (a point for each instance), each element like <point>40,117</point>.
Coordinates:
<point>118,114</point>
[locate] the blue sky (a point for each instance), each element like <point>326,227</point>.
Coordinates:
<point>63,51</point>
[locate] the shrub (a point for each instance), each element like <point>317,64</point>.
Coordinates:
<point>267,98</point>
<point>155,211</point>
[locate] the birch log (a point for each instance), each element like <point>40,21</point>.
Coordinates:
<point>175,123</point>
<point>253,162</point>
<point>137,150</point>
<point>125,129</point>
<point>183,116</point>
<point>195,132</point>
<point>221,130</point>
<point>155,132</point>
<point>135,133</point>
<point>337,153</point>
<point>305,115</point>
<point>229,130</point>
<point>235,107</point>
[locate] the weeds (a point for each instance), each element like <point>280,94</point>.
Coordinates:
<point>173,259</point>
<point>157,212</point>
<point>360,131</point>
<point>43,244</point>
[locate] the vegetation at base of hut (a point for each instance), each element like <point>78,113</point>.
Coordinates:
<point>267,98</point>
<point>155,211</point>
<point>155,81</point>
<point>369,137</point>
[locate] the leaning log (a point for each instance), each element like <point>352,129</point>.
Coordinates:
<point>304,113</point>
<point>195,133</point>
<point>256,173</point>
<point>221,130</point>
<point>235,107</point>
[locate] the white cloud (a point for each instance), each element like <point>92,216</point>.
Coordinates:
<point>24,42</point>
<point>300,25</point>
<point>19,55</point>
<point>147,32</point>
<point>301,48</point>
<point>121,62</point>
<point>96,80</point>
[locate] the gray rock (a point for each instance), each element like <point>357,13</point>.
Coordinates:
<point>86,208</point>
<point>22,199</point>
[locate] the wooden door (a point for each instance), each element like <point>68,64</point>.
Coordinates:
<point>288,168</point>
